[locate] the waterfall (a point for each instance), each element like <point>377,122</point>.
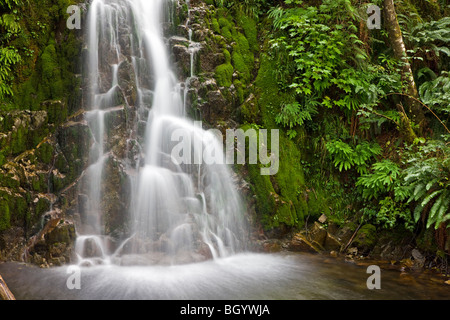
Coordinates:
<point>178,212</point>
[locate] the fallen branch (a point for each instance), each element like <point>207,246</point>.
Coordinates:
<point>351,239</point>
<point>5,293</point>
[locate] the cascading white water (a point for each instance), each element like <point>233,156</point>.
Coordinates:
<point>180,212</point>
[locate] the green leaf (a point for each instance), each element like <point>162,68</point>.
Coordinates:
<point>430,197</point>
<point>417,213</point>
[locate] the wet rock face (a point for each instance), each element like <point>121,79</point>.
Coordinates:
<point>203,50</point>
<point>38,182</point>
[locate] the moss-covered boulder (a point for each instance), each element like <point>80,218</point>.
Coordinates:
<point>366,238</point>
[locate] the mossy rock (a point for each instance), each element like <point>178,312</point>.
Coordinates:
<point>15,210</point>
<point>226,28</point>
<point>5,216</point>
<point>278,202</point>
<point>250,30</point>
<point>281,199</point>
<point>63,233</point>
<point>41,207</point>
<point>75,140</point>
<point>366,238</point>
<point>44,152</point>
<point>39,182</point>
<point>215,25</point>
<point>224,75</point>
<point>19,140</point>
<point>249,110</point>
<point>241,66</point>
<point>57,111</point>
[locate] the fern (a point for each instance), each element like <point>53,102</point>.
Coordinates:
<point>342,154</point>
<point>10,4</point>
<point>427,176</point>
<point>382,180</point>
<point>345,157</point>
<point>391,213</point>
<point>9,56</point>
<point>436,93</point>
<point>420,36</point>
<point>319,53</point>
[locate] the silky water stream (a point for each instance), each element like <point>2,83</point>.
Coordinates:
<point>179,212</point>
<point>187,236</point>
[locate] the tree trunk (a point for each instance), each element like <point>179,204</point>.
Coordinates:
<point>398,46</point>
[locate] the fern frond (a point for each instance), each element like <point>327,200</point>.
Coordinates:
<point>432,217</point>
<point>443,209</point>
<point>430,197</point>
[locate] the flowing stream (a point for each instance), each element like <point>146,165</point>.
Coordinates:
<point>245,276</point>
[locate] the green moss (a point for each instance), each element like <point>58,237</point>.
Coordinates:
<point>58,183</point>
<point>227,56</point>
<point>425,9</point>
<point>224,75</point>
<point>51,57</point>
<point>57,111</point>
<point>283,199</point>
<point>240,65</point>
<point>19,140</point>
<point>14,210</point>
<point>52,84</point>
<point>366,237</point>
<point>9,181</point>
<point>250,30</point>
<point>242,58</point>
<point>5,217</point>
<point>317,203</point>
<point>226,28</point>
<point>249,112</point>
<point>270,98</point>
<point>263,190</point>
<point>240,91</point>
<point>2,158</point>
<point>243,46</point>
<point>45,153</point>
<point>39,183</point>
<point>61,163</point>
<point>63,234</point>
<point>42,206</point>
<point>215,25</point>
<point>285,216</point>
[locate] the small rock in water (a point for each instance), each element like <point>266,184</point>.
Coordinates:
<point>419,259</point>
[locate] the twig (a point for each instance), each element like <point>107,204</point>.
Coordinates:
<point>351,239</point>
<point>423,104</point>
<point>382,115</point>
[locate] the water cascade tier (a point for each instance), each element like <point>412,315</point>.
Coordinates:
<point>175,212</point>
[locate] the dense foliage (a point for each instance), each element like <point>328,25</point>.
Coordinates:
<point>333,66</point>
<point>9,55</point>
